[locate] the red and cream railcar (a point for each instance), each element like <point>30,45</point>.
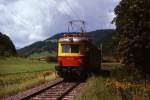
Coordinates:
<point>77,55</point>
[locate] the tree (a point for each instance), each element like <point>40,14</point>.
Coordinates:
<point>133,32</point>
<point>7,47</point>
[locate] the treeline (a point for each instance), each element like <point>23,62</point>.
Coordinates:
<point>7,47</point>
<point>133,33</point>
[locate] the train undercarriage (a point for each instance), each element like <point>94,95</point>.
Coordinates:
<point>75,72</point>
<point>71,72</point>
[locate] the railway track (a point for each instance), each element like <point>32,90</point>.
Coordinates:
<point>58,91</point>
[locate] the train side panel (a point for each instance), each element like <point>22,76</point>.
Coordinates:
<point>94,57</point>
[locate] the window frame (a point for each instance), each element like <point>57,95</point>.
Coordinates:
<point>70,51</point>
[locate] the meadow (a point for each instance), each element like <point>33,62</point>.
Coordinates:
<point>19,74</point>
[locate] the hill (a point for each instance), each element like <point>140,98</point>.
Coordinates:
<point>103,37</point>
<point>7,47</point>
<point>49,46</point>
<point>38,48</point>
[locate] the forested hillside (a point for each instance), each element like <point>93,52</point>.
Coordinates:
<point>7,47</point>
<point>37,48</point>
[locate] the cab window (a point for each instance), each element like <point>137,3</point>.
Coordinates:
<point>66,48</point>
<point>75,48</point>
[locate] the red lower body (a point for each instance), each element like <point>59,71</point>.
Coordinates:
<point>76,65</point>
<point>70,61</point>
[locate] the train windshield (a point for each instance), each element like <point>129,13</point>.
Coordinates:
<point>67,48</point>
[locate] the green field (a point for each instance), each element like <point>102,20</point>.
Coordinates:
<point>20,65</point>
<point>43,54</point>
<point>19,74</point>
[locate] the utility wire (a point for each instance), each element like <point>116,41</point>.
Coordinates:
<point>72,9</point>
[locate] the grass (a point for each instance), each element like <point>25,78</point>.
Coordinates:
<point>96,90</point>
<point>43,54</point>
<point>130,90</point>
<point>120,84</point>
<point>20,65</point>
<point>130,84</point>
<point>19,74</point>
<point>13,84</point>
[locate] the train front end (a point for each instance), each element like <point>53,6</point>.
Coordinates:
<point>71,57</point>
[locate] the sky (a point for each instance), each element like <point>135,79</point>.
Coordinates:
<point>27,21</point>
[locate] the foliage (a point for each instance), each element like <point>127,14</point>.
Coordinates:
<point>129,90</point>
<point>7,47</point>
<point>129,84</point>
<point>124,74</point>
<point>133,37</point>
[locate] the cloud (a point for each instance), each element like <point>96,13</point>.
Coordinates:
<point>27,21</point>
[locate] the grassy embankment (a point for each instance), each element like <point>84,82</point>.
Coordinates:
<point>118,85</point>
<point>96,86</point>
<point>19,74</point>
<point>96,90</point>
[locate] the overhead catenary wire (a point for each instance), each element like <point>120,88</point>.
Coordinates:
<point>74,12</point>
<point>78,18</point>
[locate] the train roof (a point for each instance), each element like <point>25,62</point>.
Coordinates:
<point>71,37</point>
